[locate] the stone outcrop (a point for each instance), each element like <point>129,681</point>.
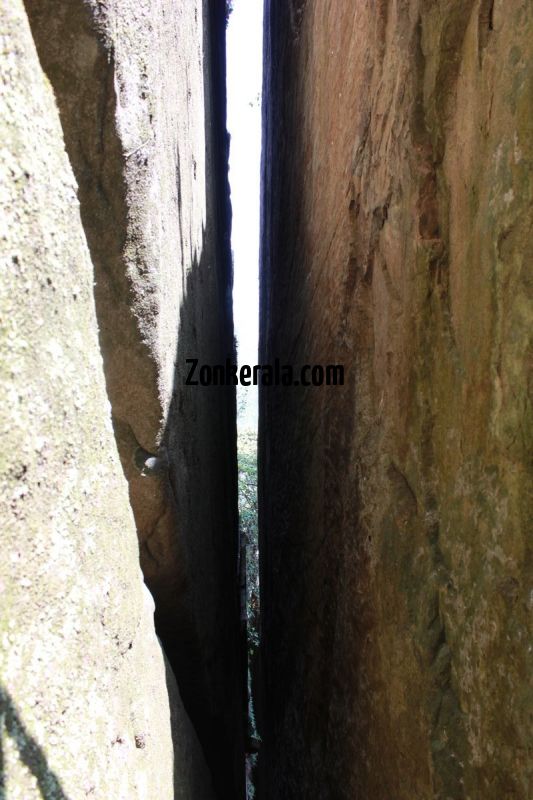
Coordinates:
<point>84,689</point>
<point>134,91</point>
<point>395,511</point>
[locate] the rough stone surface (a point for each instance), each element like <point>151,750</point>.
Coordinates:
<point>396,511</point>
<point>140,89</point>
<point>88,707</point>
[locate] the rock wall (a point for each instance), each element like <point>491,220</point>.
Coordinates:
<point>139,87</point>
<point>85,695</point>
<point>395,511</point>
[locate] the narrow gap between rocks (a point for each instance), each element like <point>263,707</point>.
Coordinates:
<point>244,76</point>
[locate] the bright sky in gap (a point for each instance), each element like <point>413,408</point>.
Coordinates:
<point>244,76</point>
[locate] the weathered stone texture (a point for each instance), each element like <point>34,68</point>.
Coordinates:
<point>140,90</point>
<point>396,511</point>
<point>84,689</point>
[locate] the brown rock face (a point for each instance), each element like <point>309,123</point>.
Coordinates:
<point>396,511</point>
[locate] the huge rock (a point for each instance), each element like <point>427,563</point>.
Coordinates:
<point>88,706</point>
<point>140,90</point>
<point>396,510</point>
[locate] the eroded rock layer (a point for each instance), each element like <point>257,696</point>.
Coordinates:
<point>396,510</point>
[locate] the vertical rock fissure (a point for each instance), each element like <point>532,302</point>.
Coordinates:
<point>244,74</point>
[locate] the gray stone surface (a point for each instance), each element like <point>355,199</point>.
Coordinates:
<point>84,690</point>
<point>137,83</point>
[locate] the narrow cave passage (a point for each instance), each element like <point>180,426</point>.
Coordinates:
<point>244,77</point>
<point>389,654</point>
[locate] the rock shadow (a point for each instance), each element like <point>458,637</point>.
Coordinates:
<point>30,752</point>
